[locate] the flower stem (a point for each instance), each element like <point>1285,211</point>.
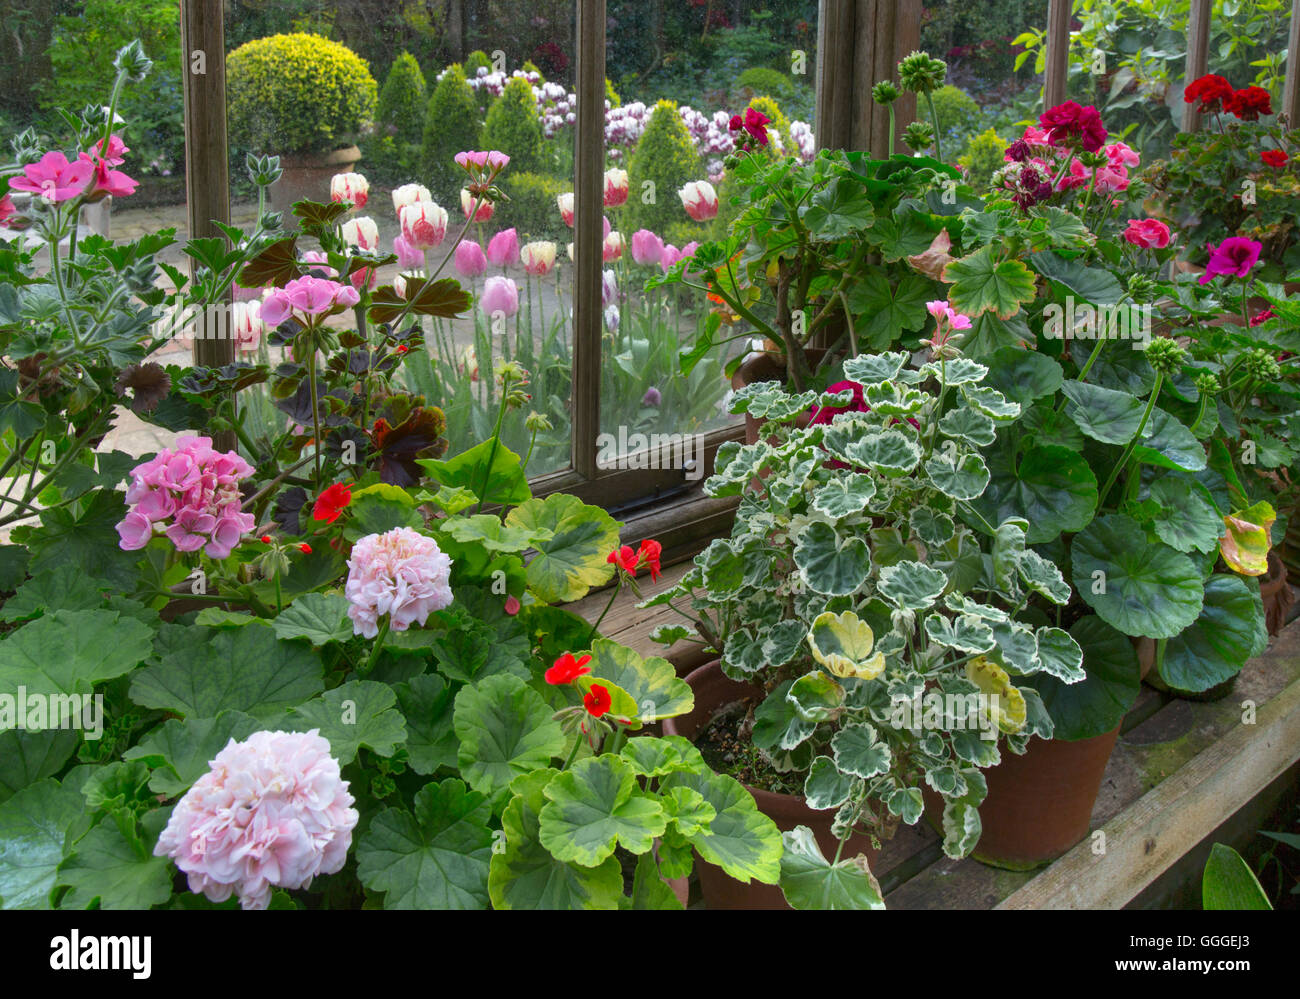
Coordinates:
<point>613,596</point>
<point>577,741</point>
<point>1128,451</point>
<point>379,645</point>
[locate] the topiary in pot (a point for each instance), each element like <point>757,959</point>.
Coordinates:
<point>298,94</point>
<point>451,124</point>
<point>666,157</point>
<point>402,100</point>
<point>514,127</point>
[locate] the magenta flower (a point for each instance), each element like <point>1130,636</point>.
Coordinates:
<point>470,260</point>
<point>54,178</point>
<point>1074,126</point>
<point>858,404</point>
<point>503,248</point>
<point>6,210</point>
<point>114,155</point>
<point>500,297</point>
<point>273,811</point>
<point>1234,257</point>
<point>647,248</point>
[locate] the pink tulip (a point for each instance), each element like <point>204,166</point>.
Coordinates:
<point>616,188</point>
<point>408,257</point>
<point>424,225</point>
<point>503,248</point>
<point>538,258</point>
<point>500,297</point>
<point>54,178</point>
<point>647,248</point>
<point>700,200</point>
<point>470,260</point>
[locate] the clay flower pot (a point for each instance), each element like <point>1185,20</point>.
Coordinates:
<point>1276,594</point>
<point>714,691</point>
<point>307,178</point>
<point>766,368</point>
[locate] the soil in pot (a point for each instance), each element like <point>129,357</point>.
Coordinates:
<point>718,696</point>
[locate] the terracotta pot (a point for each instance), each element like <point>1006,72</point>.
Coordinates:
<point>307,178</point>
<point>1276,594</point>
<point>766,368</point>
<point>714,691</point>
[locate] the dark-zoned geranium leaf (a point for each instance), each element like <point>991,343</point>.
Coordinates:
<point>276,265</point>
<point>399,447</point>
<point>444,298</point>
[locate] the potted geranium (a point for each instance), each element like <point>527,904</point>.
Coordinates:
<point>306,99</point>
<point>871,625</point>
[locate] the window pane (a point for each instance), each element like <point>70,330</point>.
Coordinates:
<point>466,76</point>
<point>678,73</point>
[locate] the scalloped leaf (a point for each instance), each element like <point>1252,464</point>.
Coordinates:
<point>810,881</point>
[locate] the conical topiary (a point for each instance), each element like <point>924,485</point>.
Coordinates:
<point>663,162</point>
<point>451,124</point>
<point>514,127</point>
<point>402,100</point>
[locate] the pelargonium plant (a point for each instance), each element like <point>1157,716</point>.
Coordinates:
<point>860,583</point>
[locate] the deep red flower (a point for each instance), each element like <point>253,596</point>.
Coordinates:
<point>1260,318</point>
<point>597,700</point>
<point>567,669</point>
<point>1074,125</point>
<point>1211,90</point>
<point>266,539</point>
<point>305,549</point>
<point>1249,104</point>
<point>650,552</point>
<point>331,502</point>
<point>402,348</point>
<point>825,414</point>
<point>1274,158</point>
<point>624,558</point>
<point>754,122</point>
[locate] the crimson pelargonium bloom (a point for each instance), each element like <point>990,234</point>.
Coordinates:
<point>331,503</point>
<point>1074,125</point>
<point>624,558</point>
<point>597,700</point>
<point>1211,90</point>
<point>566,669</point>
<point>754,122</point>
<point>1274,158</point>
<point>1234,257</point>
<point>825,414</point>
<point>54,178</point>
<point>650,553</point>
<point>1248,104</point>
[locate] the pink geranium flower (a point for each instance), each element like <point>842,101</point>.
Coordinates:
<point>54,178</point>
<point>401,574</point>
<point>1147,233</point>
<point>1234,257</point>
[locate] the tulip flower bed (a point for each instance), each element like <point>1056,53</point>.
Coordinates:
<point>338,664</point>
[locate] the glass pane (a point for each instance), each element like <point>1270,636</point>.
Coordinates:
<point>678,73</point>
<point>437,80</point>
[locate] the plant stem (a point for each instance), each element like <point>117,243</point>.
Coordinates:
<point>496,443</point>
<point>613,596</point>
<point>934,117</point>
<point>1128,451</point>
<point>315,410</point>
<point>577,741</point>
<point>379,644</point>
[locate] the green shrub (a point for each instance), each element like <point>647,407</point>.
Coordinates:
<point>983,156</point>
<point>476,60</point>
<point>611,95</point>
<point>451,124</point>
<point>513,127</point>
<point>402,100</point>
<point>665,156</point>
<point>954,107</point>
<point>532,209</point>
<point>761,80</point>
<point>298,93</point>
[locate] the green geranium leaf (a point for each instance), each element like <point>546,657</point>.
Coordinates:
<point>203,672</point>
<point>525,876</point>
<point>688,811</point>
<point>963,481</point>
<point>1168,444</point>
<point>33,826</point>
<point>573,561</point>
<point>649,889</point>
<point>26,757</point>
<point>980,283</point>
<point>358,713</point>
<point>487,530</point>
<point>427,703</point>
<point>884,310</point>
<point>907,803</point>
<point>969,425</point>
<point>107,871</point>
<point>653,684</point>
<point>741,840</point>
<point>810,881</point>
<point>1103,414</point>
<point>932,527</point>
<point>1023,375</point>
<point>911,585</point>
<point>777,724</point>
<point>1229,630</point>
<point>180,752</point>
<point>1185,518</point>
<point>320,618</point>
<point>1092,284</point>
<point>435,858</point>
<point>860,752</point>
<point>67,652</point>
<point>505,729</point>
<point>830,565</point>
<point>1139,587</point>
<point>658,757</point>
<point>380,508</point>
<point>1053,488</point>
<point>595,806</point>
<point>1098,703</point>
<point>63,588</point>
<point>506,482</point>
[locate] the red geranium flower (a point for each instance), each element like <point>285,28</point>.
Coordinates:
<point>1249,104</point>
<point>1260,318</point>
<point>754,122</point>
<point>1211,90</point>
<point>597,700</point>
<point>305,549</point>
<point>567,669</point>
<point>1072,124</point>
<point>331,502</point>
<point>624,558</point>
<point>825,414</point>
<point>650,552</point>
<point>1274,158</point>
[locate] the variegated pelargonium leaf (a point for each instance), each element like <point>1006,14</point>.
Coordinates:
<point>894,400</point>
<point>964,480</point>
<point>859,751</point>
<point>845,645</point>
<point>1246,540</point>
<point>791,476</point>
<point>829,564</point>
<point>769,401</point>
<point>1003,702</point>
<point>961,828</point>
<point>931,526</point>
<point>810,881</point>
<point>723,568</point>
<point>1042,576</point>
<point>1018,646</point>
<point>825,787</point>
<point>911,585</point>
<point>991,402</point>
<point>963,604</point>
<point>907,803</point>
<point>887,452</point>
<point>844,496</point>
<point>1060,655</point>
<point>816,696</point>
<point>961,371</point>
<point>1008,549</point>
<point>969,425</point>
<point>873,369</point>
<point>965,633</point>
<point>777,726</point>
